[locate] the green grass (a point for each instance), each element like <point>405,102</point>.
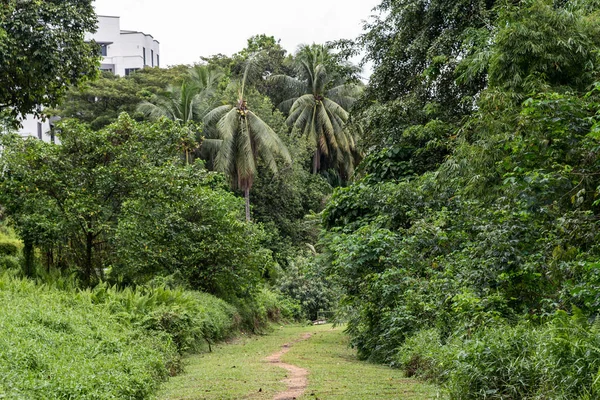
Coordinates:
<point>336,373</point>
<point>57,345</point>
<point>234,371</point>
<point>238,371</point>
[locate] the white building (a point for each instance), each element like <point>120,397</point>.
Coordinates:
<point>122,53</point>
<point>35,127</point>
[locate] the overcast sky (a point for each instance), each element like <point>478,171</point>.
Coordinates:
<point>188,29</point>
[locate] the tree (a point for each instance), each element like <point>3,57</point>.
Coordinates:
<point>185,103</point>
<point>319,108</point>
<point>101,101</point>
<point>120,204</point>
<point>503,228</point>
<point>244,138</point>
<point>415,48</point>
<point>43,52</point>
<point>69,197</point>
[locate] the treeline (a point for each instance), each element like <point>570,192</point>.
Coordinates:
<point>467,247</point>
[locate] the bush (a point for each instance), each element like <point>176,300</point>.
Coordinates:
<point>424,356</point>
<point>497,364</point>
<point>9,262</point>
<point>100,343</point>
<point>263,307</point>
<point>306,285</point>
<point>8,249</point>
<point>189,318</point>
<point>556,360</point>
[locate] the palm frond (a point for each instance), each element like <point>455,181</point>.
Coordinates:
<point>245,155</point>
<point>216,114</point>
<point>324,123</point>
<point>227,128</point>
<point>212,146</point>
<point>286,105</point>
<point>335,109</point>
<point>151,110</point>
<point>289,85</point>
<point>266,138</point>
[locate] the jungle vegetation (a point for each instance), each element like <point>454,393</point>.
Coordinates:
<point>446,208</point>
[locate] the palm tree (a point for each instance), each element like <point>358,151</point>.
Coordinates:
<point>243,137</point>
<point>318,107</point>
<point>188,102</point>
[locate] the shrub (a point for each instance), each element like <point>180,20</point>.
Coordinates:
<point>189,318</point>
<point>8,249</point>
<point>57,342</point>
<point>499,363</point>
<point>424,356</point>
<point>9,262</point>
<point>305,283</point>
<point>263,307</point>
<point>556,360</point>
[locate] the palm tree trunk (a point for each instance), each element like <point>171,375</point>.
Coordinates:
<point>247,197</point>
<point>316,160</point>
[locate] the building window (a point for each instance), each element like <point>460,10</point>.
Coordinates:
<point>106,69</point>
<point>128,71</point>
<point>103,50</point>
<point>39,126</point>
<point>158,60</point>
<point>52,138</point>
<point>152,56</point>
<point>144,53</point>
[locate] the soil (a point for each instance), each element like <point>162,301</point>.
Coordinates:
<point>297,378</point>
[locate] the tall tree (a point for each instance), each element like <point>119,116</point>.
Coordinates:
<point>43,51</point>
<point>319,107</point>
<point>244,138</point>
<point>415,48</point>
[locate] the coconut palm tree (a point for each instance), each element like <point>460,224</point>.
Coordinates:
<point>243,138</point>
<point>188,102</point>
<point>318,107</point>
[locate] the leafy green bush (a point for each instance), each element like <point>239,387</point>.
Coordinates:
<point>305,283</point>
<point>9,262</point>
<point>103,343</point>
<point>8,249</point>
<point>556,360</point>
<point>424,356</point>
<point>189,318</point>
<point>265,306</point>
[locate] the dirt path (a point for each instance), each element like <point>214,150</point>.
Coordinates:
<point>322,367</point>
<point>297,378</point>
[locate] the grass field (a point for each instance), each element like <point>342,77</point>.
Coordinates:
<point>238,371</point>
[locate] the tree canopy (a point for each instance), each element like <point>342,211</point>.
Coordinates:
<point>43,52</point>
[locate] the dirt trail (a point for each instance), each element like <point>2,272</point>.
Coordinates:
<point>297,378</point>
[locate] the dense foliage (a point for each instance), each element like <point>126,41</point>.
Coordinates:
<point>33,72</point>
<point>478,233</point>
<point>100,343</point>
<point>123,201</point>
<point>462,236</point>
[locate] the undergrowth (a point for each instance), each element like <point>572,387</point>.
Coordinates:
<point>60,342</point>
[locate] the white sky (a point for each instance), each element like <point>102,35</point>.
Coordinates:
<point>188,29</point>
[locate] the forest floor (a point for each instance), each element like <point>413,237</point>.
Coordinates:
<point>302,362</point>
